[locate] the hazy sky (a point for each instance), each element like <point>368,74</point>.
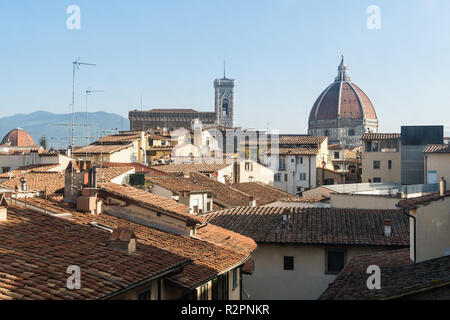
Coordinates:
<point>282,53</point>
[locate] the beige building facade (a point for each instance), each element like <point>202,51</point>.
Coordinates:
<point>437,163</point>
<point>381,157</point>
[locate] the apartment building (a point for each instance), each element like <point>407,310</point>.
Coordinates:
<point>437,163</point>
<point>302,250</point>
<point>381,157</point>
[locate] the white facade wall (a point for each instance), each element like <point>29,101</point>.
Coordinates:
<point>255,172</point>
<point>295,167</point>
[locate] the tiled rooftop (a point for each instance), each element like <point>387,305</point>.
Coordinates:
<point>191,167</point>
<point>300,139</point>
<point>213,250</point>
<point>138,167</point>
<point>380,136</point>
<point>175,183</point>
<point>399,276</point>
<point>150,200</point>
<point>315,225</point>
<point>95,149</point>
<point>38,181</point>
<point>36,250</point>
<point>414,202</point>
<point>263,193</point>
<point>122,138</point>
<point>224,195</point>
<point>437,148</point>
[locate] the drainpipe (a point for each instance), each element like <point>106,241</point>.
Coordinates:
<point>405,211</point>
<point>309,173</point>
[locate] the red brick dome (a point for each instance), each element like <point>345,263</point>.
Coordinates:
<point>18,138</point>
<point>342,100</point>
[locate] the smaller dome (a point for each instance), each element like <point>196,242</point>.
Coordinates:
<point>18,138</point>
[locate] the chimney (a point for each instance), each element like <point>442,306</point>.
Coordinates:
<point>3,208</point>
<point>23,184</point>
<point>123,239</point>
<point>387,227</point>
<point>442,187</point>
<point>252,201</point>
<point>94,177</point>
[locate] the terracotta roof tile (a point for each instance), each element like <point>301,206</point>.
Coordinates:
<point>315,225</point>
<point>213,249</point>
<point>414,202</point>
<point>300,139</point>
<point>149,199</point>
<point>18,138</point>
<point>263,193</point>
<point>94,149</point>
<point>437,148</point>
<point>380,136</point>
<point>191,167</point>
<point>36,250</point>
<point>399,276</point>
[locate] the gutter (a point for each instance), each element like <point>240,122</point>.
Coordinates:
<point>406,212</point>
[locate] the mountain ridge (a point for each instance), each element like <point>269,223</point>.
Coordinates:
<point>57,127</point>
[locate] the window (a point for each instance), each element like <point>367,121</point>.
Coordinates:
<point>376,179</point>
<point>368,146</point>
<point>225,107</point>
<point>389,164</point>
<point>351,133</point>
<point>277,177</point>
<point>302,176</point>
<point>288,263</point>
<point>146,295</point>
<point>334,260</point>
<point>235,278</point>
<point>336,155</point>
<point>327,133</point>
<point>248,166</point>
<point>285,177</point>
<point>432,176</point>
<point>298,160</point>
<point>6,169</point>
<point>282,164</point>
<point>292,160</point>
<point>376,164</point>
<point>203,294</point>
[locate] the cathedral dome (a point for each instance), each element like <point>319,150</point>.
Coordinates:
<point>342,100</point>
<point>18,138</point>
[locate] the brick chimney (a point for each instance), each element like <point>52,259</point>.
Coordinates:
<point>387,227</point>
<point>3,208</point>
<point>23,184</point>
<point>442,187</point>
<point>252,201</point>
<point>123,239</point>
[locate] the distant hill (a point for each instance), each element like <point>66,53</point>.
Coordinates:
<point>57,127</point>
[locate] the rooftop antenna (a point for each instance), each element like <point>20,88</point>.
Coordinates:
<point>75,66</point>
<point>224,69</point>
<point>88,93</point>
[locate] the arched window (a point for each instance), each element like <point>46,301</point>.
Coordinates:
<point>225,104</point>
<point>327,133</point>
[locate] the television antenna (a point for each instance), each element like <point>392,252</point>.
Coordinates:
<point>88,93</point>
<point>75,66</point>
